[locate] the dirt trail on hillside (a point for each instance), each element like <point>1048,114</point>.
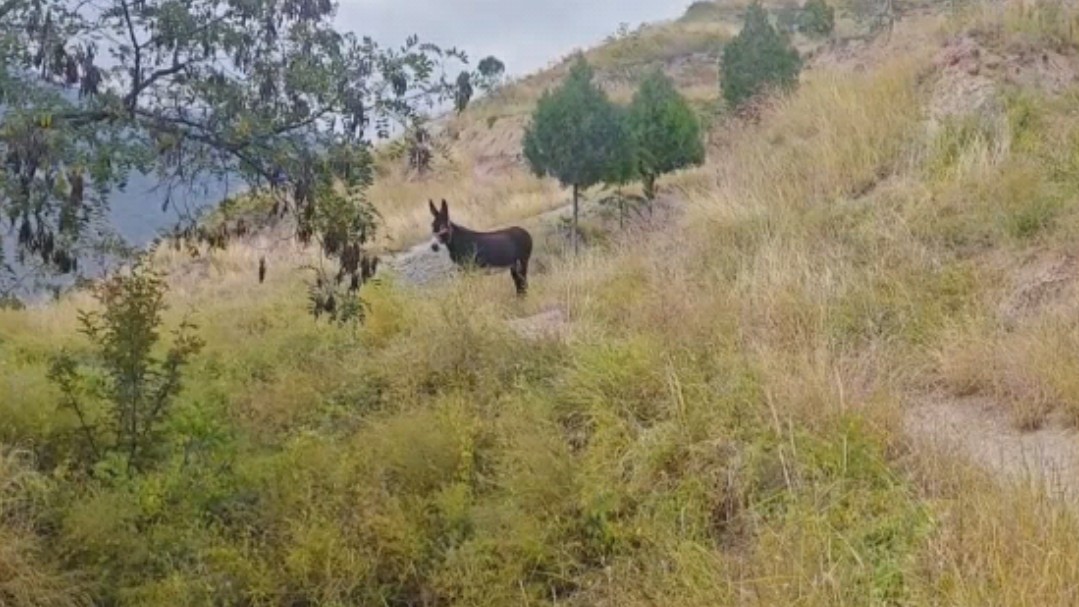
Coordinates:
<point>980,431</point>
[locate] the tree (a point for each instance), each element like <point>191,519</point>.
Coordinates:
<point>121,412</point>
<point>817,18</point>
<point>757,58</point>
<point>265,90</point>
<point>491,70</point>
<point>665,130</point>
<point>576,135</point>
<point>622,166</point>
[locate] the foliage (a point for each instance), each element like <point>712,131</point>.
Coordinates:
<point>622,168</point>
<point>877,14</point>
<point>339,303</point>
<point>622,165</point>
<point>264,89</point>
<point>417,148</point>
<point>491,71</point>
<point>788,15</point>
<point>666,132</point>
<point>758,58</point>
<point>577,135</point>
<point>817,18</point>
<point>702,10</point>
<point>135,389</point>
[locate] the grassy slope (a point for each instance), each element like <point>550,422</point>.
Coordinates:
<point>723,427</point>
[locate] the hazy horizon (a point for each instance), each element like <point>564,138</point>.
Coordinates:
<point>526,35</point>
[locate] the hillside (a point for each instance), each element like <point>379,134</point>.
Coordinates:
<point>837,367</point>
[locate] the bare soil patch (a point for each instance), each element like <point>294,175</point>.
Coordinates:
<point>1043,284</point>
<point>549,324</point>
<point>980,430</point>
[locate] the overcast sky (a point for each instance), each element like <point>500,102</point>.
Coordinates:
<point>525,34</point>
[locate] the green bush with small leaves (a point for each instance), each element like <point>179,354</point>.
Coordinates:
<point>817,18</point>
<point>122,399</point>
<point>757,59</point>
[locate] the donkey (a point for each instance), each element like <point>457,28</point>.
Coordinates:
<point>506,248</point>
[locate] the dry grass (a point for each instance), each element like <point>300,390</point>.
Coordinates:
<point>27,577</point>
<point>476,200</point>
<point>1052,24</point>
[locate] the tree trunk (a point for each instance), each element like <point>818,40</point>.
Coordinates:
<point>650,191</point>
<point>621,210</point>
<point>576,236</point>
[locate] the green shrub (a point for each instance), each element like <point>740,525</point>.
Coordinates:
<point>758,58</point>
<point>703,10</point>
<point>124,401</point>
<point>817,18</point>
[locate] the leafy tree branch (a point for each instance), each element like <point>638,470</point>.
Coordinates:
<point>265,90</point>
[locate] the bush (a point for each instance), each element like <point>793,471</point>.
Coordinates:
<point>123,402</point>
<point>758,58</point>
<point>703,10</point>
<point>817,18</point>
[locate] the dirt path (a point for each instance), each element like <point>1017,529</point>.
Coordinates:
<point>979,430</point>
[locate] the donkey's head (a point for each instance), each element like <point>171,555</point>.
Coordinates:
<point>441,228</point>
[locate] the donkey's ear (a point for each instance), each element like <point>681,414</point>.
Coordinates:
<point>445,209</point>
<point>431,205</point>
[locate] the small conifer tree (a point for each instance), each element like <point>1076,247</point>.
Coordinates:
<point>666,132</point>
<point>817,18</point>
<point>759,57</point>
<point>576,135</point>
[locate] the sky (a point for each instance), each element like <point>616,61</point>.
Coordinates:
<point>526,35</point>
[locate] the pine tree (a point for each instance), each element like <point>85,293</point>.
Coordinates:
<point>666,132</point>
<point>817,18</point>
<point>576,135</point>
<point>623,166</point>
<point>759,57</point>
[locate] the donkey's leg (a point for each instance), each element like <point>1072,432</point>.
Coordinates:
<point>520,278</point>
<point>518,281</point>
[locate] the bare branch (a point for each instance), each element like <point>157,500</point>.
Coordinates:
<point>136,73</point>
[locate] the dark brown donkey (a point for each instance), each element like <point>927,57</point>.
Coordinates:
<point>505,248</point>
